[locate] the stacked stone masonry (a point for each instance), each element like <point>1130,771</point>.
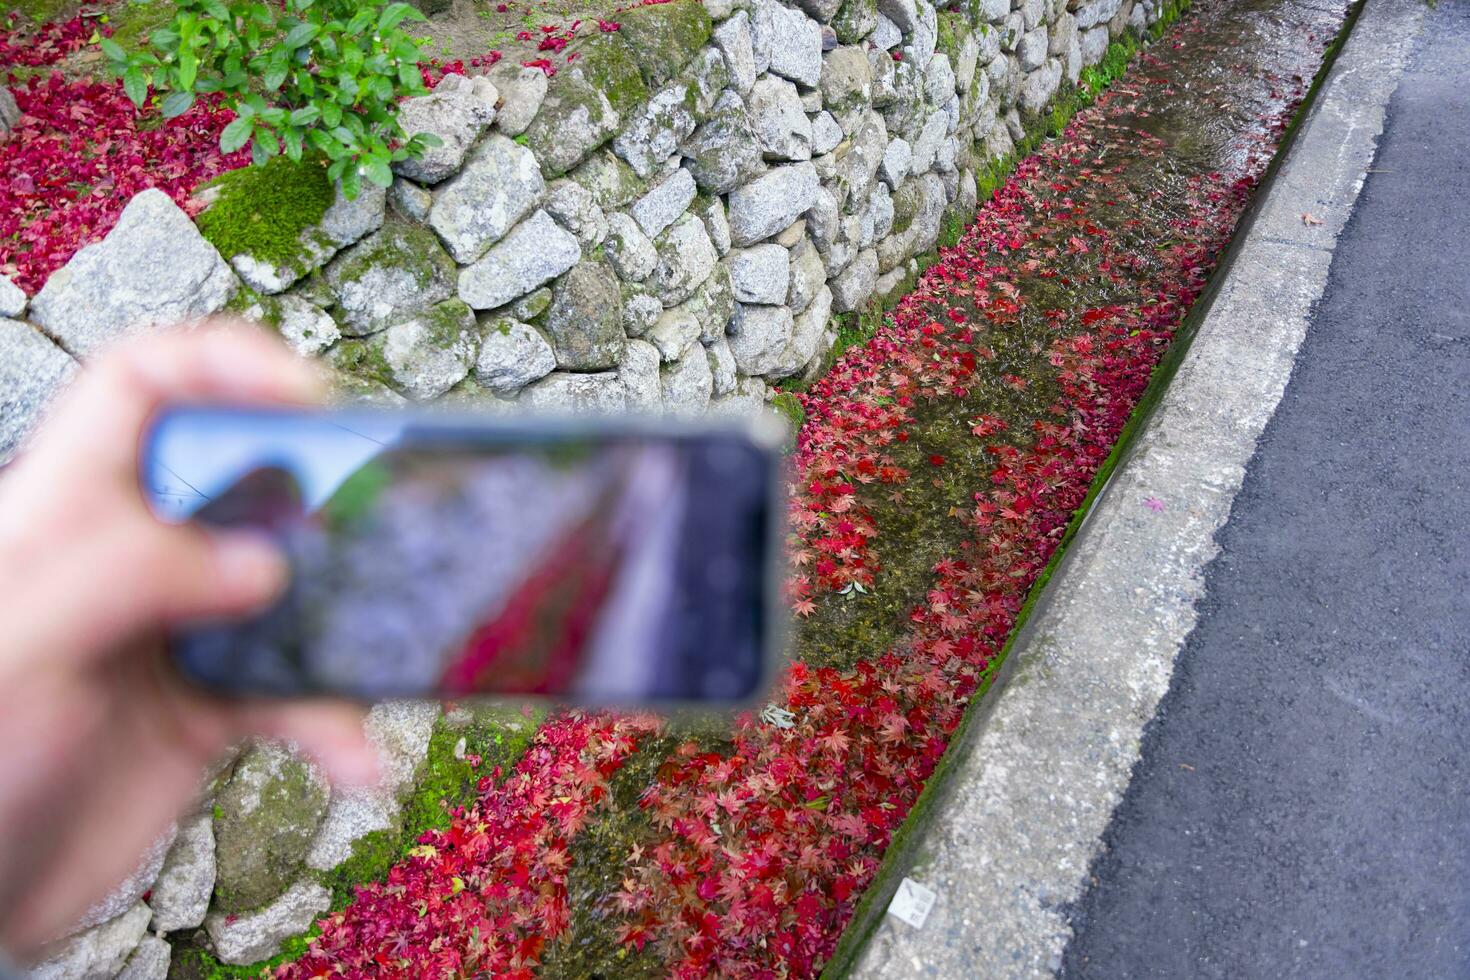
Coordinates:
<point>671,223</point>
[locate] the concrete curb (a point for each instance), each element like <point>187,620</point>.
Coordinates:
<point>1011,839</point>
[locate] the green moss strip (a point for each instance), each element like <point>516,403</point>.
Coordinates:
<point>899,856</point>
<point>191,961</point>
<point>906,840</point>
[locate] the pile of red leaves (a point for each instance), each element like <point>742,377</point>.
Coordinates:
<point>760,853</point>
<point>81,151</point>
<point>767,850</point>
<point>46,45</point>
<point>483,897</point>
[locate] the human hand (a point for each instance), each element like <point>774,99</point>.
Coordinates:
<point>101,743</point>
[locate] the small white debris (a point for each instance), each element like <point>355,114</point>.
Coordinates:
<point>771,714</point>
<point>912,903</point>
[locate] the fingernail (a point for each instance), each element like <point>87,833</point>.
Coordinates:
<point>249,567</point>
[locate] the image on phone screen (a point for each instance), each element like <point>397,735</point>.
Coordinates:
<point>580,561</point>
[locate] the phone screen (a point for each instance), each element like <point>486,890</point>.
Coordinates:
<point>587,561</point>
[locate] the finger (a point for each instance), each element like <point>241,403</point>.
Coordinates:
<point>109,407</point>
<point>330,732</point>
<point>151,577</point>
<point>190,574</point>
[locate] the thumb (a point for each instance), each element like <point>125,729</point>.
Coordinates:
<point>140,579</point>
<point>186,573</point>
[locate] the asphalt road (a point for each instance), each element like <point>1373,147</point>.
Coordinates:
<point>1302,807</point>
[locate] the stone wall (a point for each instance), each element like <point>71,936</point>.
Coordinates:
<point>671,222</point>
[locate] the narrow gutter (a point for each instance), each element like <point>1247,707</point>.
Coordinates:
<point>907,839</point>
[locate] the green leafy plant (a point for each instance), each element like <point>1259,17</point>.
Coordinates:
<point>324,74</point>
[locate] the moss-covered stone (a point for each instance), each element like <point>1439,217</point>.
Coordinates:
<point>952,29</point>
<point>906,201</point>
<point>421,356</point>
<point>399,269</point>
<point>528,308</point>
<point>192,958</point>
<point>245,300</point>
<point>709,76</point>
<point>586,104</point>
<point>585,319</point>
<point>264,821</point>
<point>855,20</point>
<point>665,36</point>
<point>609,179</point>
<point>481,741</point>
<point>264,211</point>
<point>445,323</point>
<point>360,360</point>
<point>654,132</point>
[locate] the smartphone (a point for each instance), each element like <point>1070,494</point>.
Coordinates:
<point>591,560</point>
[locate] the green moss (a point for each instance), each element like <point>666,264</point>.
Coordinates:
<point>586,103</point>
<point>612,69</point>
<point>447,322</point>
<point>787,404</point>
<point>244,299</point>
<point>263,211</point>
<point>192,961</point>
<point>906,201</point>
<point>951,228</point>
<point>858,328</point>
<point>38,11</point>
<point>854,20</point>
<point>664,36</point>
<point>992,177</point>
<point>952,30</point>
<point>497,735</point>
<point>133,21</point>
<point>361,359</point>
